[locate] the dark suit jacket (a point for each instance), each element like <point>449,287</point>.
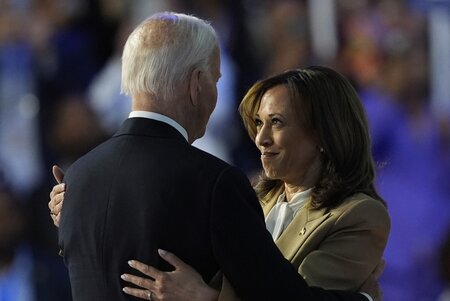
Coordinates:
<point>147,188</point>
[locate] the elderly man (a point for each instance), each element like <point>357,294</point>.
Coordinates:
<point>147,188</point>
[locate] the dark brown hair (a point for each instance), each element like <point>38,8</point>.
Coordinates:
<point>331,112</point>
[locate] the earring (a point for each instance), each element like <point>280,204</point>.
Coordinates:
<point>321,150</point>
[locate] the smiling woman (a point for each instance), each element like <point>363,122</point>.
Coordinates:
<point>331,117</point>
<point>288,151</point>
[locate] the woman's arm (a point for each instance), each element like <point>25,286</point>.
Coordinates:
<point>184,283</point>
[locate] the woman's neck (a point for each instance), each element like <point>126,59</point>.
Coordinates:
<point>291,190</point>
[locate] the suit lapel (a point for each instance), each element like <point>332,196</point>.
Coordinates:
<point>267,205</point>
<point>301,227</point>
<point>298,231</point>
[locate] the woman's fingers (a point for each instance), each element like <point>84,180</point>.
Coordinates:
<point>183,283</point>
<point>139,281</point>
<point>149,285</point>
<point>56,219</point>
<point>145,269</point>
<point>57,194</point>
<point>58,173</point>
<point>143,294</point>
<point>56,202</point>
<point>172,259</point>
<point>58,207</point>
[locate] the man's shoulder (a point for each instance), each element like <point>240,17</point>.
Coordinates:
<point>89,158</point>
<point>207,157</point>
<point>215,168</point>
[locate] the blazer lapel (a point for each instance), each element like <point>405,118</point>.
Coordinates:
<point>298,231</point>
<point>269,201</point>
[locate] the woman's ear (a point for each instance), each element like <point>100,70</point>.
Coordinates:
<point>194,85</point>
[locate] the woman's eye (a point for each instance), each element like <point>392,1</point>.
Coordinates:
<point>276,121</point>
<point>258,122</point>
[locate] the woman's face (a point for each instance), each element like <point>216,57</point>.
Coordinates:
<point>288,152</point>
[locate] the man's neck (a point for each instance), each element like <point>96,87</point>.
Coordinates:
<point>162,118</point>
<point>172,109</point>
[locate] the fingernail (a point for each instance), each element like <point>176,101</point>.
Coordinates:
<point>131,263</point>
<point>64,185</point>
<point>126,290</point>
<point>162,252</point>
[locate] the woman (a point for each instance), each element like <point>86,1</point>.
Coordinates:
<point>317,190</point>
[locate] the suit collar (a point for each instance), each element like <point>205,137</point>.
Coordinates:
<point>160,117</point>
<point>148,127</point>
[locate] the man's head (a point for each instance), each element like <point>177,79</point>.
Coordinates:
<point>173,56</point>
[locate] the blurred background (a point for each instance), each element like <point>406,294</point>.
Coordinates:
<point>59,97</point>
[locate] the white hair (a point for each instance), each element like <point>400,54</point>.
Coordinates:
<point>161,52</point>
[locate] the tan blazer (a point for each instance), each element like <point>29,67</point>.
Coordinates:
<point>336,249</point>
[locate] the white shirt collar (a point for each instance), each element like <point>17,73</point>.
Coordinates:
<point>162,118</point>
<point>298,199</point>
<point>282,214</point>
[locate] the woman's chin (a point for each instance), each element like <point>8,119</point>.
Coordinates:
<point>271,174</point>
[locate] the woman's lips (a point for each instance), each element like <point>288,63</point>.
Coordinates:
<point>268,155</point>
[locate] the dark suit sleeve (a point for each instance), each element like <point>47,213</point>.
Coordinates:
<point>246,252</point>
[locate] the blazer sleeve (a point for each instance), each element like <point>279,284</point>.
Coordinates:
<point>246,252</point>
<point>351,250</point>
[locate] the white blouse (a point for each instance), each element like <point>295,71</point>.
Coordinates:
<point>282,214</point>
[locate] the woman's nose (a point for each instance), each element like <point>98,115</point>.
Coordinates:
<point>263,136</point>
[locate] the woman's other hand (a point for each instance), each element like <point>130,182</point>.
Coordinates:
<point>57,195</point>
<point>184,283</point>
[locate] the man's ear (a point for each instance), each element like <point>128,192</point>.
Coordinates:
<point>194,85</point>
